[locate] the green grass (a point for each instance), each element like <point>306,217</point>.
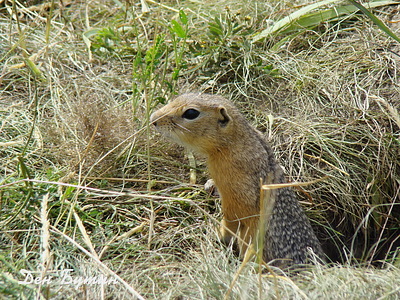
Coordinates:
<point>87,185</point>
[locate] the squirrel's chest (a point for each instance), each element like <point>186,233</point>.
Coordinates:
<point>238,188</point>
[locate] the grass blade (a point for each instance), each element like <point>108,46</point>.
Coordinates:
<point>314,19</point>
<point>303,19</point>
<point>290,18</point>
<point>374,19</point>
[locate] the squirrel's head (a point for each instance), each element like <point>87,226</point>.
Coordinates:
<point>202,122</point>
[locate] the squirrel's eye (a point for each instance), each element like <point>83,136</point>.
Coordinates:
<point>191,114</point>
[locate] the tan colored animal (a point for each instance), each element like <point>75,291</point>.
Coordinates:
<point>238,157</point>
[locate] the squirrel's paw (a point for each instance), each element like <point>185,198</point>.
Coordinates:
<point>211,188</point>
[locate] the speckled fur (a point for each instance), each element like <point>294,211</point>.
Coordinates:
<point>237,158</point>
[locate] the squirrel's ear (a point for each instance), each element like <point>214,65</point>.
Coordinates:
<point>224,117</point>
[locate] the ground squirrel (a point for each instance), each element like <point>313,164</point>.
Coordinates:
<point>238,157</point>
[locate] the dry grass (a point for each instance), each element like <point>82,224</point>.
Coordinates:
<point>86,185</point>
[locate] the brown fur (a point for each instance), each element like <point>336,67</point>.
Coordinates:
<point>238,157</point>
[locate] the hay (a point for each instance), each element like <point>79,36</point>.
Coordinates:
<point>74,112</point>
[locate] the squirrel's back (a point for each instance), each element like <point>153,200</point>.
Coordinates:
<point>238,157</point>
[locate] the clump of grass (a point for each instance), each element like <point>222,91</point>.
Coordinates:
<point>118,202</point>
<point>343,126</point>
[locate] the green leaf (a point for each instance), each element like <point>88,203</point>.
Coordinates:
<point>88,34</point>
<point>216,31</point>
<point>178,29</point>
<point>183,17</point>
<point>175,74</point>
<point>216,28</point>
<point>34,69</point>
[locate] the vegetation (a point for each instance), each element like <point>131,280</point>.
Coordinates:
<point>86,185</point>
